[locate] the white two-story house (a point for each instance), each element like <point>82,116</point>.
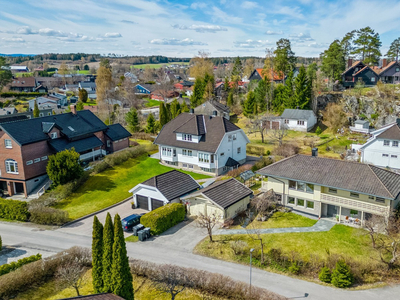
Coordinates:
<point>209,144</point>
<point>383,149</point>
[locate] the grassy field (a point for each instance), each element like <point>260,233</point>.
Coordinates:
<point>132,239</point>
<point>90,103</point>
<point>23,74</point>
<point>281,220</point>
<point>143,289</point>
<point>112,186</point>
<point>157,66</point>
<point>85,72</point>
<point>341,239</point>
<point>151,102</point>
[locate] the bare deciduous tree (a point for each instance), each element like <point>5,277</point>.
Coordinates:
<point>264,202</point>
<point>374,225</point>
<point>388,244</point>
<point>256,234</point>
<point>71,274</point>
<point>260,124</point>
<point>278,134</point>
<point>208,222</point>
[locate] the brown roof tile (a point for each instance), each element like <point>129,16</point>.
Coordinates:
<point>392,133</point>
<point>24,82</point>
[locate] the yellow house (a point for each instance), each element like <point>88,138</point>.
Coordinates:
<point>225,198</point>
<point>326,187</point>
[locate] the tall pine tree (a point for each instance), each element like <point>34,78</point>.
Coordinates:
<point>248,107</point>
<point>288,95</point>
<point>261,95</point>
<point>36,110</point>
<point>151,124</point>
<point>333,61</point>
<point>163,114</point>
<point>302,93</point>
<point>367,45</point>
<point>132,119</point>
<point>97,256</point>
<point>175,109</point>
<point>394,50</point>
<point>108,241</point>
<point>121,274</point>
<point>198,91</point>
<point>230,101</point>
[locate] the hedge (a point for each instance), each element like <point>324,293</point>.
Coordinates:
<point>7,268</point>
<point>164,217</point>
<point>14,210</point>
<point>22,94</point>
<point>1,243</point>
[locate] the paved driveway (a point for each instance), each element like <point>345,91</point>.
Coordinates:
<point>84,227</point>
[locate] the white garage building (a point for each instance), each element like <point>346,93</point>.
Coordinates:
<point>163,189</point>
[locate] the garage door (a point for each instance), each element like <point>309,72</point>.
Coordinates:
<point>156,203</point>
<point>142,202</point>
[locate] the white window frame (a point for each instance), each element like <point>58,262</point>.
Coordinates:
<point>44,157</point>
<point>300,122</point>
<point>239,149</point>
<point>187,137</point>
<point>395,144</point>
<point>54,135</point>
<point>386,143</point>
<point>286,121</point>
<point>373,79</point>
<point>108,143</point>
<point>8,143</point>
<point>29,162</point>
<point>385,155</point>
<point>234,136</point>
<point>36,160</point>
<point>11,164</point>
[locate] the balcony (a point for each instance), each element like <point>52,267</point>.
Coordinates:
<point>355,204</point>
<point>92,155</point>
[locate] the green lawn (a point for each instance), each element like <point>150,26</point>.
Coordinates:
<point>152,103</point>
<point>113,185</point>
<point>85,72</point>
<point>23,74</point>
<point>132,239</point>
<point>282,220</point>
<point>90,103</point>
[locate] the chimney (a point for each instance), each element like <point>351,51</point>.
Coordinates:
<point>384,63</point>
<point>349,62</point>
<point>315,152</point>
<point>191,111</point>
<point>215,113</point>
<point>73,109</point>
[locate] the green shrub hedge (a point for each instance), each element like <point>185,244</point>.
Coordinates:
<point>14,210</point>
<point>7,268</point>
<point>48,216</point>
<point>164,217</point>
<point>22,94</point>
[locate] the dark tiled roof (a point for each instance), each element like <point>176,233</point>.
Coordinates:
<point>344,175</point>
<point>173,184</point>
<point>73,126</point>
<point>13,118</point>
<point>105,296</point>
<point>226,192</point>
<point>231,162</point>
<point>219,106</point>
<point>87,84</point>
<point>47,126</point>
<point>149,87</point>
<point>297,114</point>
<point>79,145</point>
<point>117,131</point>
<point>353,66</point>
<point>215,129</point>
<point>392,133</point>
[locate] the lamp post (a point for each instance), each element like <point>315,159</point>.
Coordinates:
<point>251,252</point>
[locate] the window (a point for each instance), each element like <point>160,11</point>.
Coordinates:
<point>301,186</point>
<point>300,202</point>
<point>187,137</point>
<point>8,143</point>
<point>333,191</point>
<point>222,154</point>
<point>310,204</point>
<point>300,122</point>
<point>187,152</point>
<point>386,143</point>
<point>108,143</point>
<point>41,115</point>
<point>372,79</point>
<point>393,156</point>
<point>371,197</point>
<point>36,160</point>
<point>292,184</point>
<point>203,157</point>
<point>234,136</point>
<point>238,150</point>
<point>44,157</point>
<point>385,155</point>
<point>397,69</point>
<point>11,166</point>
<point>290,200</point>
<point>354,195</point>
<point>309,188</point>
<point>286,121</point>
<point>212,158</point>
<point>53,135</point>
<point>29,162</point>
<point>207,170</point>
<point>380,200</point>
<point>166,151</point>
<point>230,138</point>
<point>395,143</point>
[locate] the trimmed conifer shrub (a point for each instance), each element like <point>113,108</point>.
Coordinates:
<point>97,256</point>
<point>325,275</point>
<point>121,277</point>
<point>108,241</point>
<point>341,275</point>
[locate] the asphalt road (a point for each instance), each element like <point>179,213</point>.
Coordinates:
<point>172,253</point>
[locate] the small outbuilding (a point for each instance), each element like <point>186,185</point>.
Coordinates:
<point>162,189</point>
<point>298,119</point>
<point>225,198</point>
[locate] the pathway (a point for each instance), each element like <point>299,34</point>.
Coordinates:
<point>321,225</point>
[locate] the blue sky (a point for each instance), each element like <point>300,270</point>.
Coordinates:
<point>182,28</point>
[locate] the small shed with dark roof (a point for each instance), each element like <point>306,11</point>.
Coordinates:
<point>162,189</point>
<point>225,198</point>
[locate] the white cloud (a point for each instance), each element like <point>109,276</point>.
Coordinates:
<point>52,32</point>
<point>14,40</point>
<point>25,30</point>
<point>271,32</point>
<point>128,22</point>
<point>176,42</point>
<point>252,44</point>
<point>200,28</point>
<point>197,5</point>
<point>249,5</point>
<point>318,45</point>
<point>112,35</point>
<point>301,37</point>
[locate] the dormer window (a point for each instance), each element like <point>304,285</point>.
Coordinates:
<point>187,137</point>
<point>53,135</point>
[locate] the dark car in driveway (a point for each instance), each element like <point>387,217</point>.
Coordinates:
<point>130,221</point>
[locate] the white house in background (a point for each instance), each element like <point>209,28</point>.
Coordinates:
<point>90,87</point>
<point>298,119</point>
<point>383,149</point>
<point>209,144</point>
<point>361,126</point>
<point>163,189</point>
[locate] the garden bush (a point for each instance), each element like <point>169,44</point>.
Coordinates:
<point>14,210</point>
<point>7,268</point>
<point>164,217</point>
<point>39,272</point>
<point>263,162</point>
<point>48,216</point>
<point>341,275</point>
<point>286,150</point>
<point>318,131</point>
<point>294,268</point>
<point>325,275</point>
<point>239,247</point>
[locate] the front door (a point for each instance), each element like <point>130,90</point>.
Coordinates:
<point>332,210</point>
<point>19,188</point>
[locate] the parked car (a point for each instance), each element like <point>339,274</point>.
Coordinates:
<point>129,222</point>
